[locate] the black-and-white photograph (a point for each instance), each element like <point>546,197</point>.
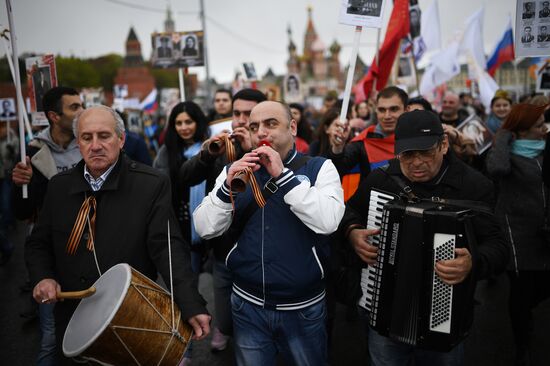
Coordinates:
<point>527,36</point>
<point>163,47</point>
<point>365,7</point>
<point>190,49</point>
<point>365,13</point>
<point>415,18</point>
<point>543,78</point>
<point>8,109</point>
<point>543,35</point>
<point>135,123</point>
<point>292,88</point>
<point>528,10</point>
<point>405,67</point>
<point>544,11</point>
<point>474,128</point>
<point>42,83</point>
<point>250,71</point>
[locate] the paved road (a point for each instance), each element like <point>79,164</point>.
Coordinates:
<point>489,343</point>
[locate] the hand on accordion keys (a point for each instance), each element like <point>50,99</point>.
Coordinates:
<point>455,270</point>
<point>360,240</point>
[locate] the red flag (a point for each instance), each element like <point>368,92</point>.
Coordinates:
<point>398,28</point>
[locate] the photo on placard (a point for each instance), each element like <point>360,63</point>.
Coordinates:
<point>366,13</point>
<point>134,122</point>
<point>527,36</point>
<point>191,46</point>
<point>41,77</point>
<point>544,11</point>
<point>474,128</point>
<point>42,83</point>
<point>250,71</point>
<point>292,88</point>
<point>163,48</point>
<point>414,18</point>
<point>543,35</point>
<point>7,112</point>
<point>528,10</point>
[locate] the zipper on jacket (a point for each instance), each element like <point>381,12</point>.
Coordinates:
<point>318,262</point>
<point>228,254</point>
<point>263,268</point>
<point>513,245</point>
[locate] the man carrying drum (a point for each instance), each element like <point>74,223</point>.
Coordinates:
<point>108,210</point>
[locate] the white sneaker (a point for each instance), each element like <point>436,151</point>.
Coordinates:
<point>219,340</point>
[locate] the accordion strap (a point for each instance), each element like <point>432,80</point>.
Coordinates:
<point>407,192</point>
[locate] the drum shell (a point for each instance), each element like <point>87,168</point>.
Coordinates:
<point>135,312</point>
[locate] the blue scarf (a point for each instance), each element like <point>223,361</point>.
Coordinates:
<point>528,148</point>
<point>196,193</point>
<point>493,122</point>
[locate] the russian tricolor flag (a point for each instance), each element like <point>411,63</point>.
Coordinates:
<point>504,51</point>
<point>149,104</point>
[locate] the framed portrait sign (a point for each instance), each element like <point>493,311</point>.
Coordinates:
<point>474,128</point>
<point>7,109</point>
<point>365,13</point>
<point>292,88</point>
<point>178,49</point>
<point>532,33</point>
<point>41,77</point>
<point>250,71</point>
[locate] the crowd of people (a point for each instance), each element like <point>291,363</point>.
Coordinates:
<point>295,241</point>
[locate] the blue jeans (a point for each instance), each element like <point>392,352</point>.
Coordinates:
<point>384,351</point>
<point>387,352</point>
<point>46,355</point>
<point>259,334</point>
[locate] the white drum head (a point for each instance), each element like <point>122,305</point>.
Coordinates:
<point>94,313</point>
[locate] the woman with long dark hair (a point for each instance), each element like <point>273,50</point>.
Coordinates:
<point>186,131</point>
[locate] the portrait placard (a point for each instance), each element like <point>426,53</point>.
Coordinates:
<point>532,36</point>
<point>250,71</point>
<point>364,13</point>
<point>7,109</point>
<point>292,88</point>
<point>41,77</point>
<point>474,128</point>
<point>178,49</point>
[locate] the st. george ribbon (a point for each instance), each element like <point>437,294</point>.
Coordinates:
<point>241,179</point>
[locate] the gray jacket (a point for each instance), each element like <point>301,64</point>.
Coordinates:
<point>522,203</point>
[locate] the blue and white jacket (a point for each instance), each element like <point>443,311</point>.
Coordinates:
<point>279,261</point>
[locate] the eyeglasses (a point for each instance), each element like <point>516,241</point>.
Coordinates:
<point>424,155</point>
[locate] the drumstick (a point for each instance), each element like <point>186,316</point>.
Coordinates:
<point>75,295</point>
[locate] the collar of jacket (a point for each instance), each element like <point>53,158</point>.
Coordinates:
<point>113,180</point>
<point>453,176</point>
<point>290,156</point>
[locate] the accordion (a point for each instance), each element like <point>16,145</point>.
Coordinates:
<point>405,298</point>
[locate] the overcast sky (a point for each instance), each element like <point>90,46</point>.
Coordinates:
<point>237,30</point>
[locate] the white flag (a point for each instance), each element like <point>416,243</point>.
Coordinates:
<point>430,30</point>
<point>472,40</point>
<point>487,86</point>
<point>444,66</point>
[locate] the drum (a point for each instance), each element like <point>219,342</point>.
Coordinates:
<point>128,321</point>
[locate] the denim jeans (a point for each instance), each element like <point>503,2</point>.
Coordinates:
<point>300,336</point>
<point>384,351</point>
<point>47,353</point>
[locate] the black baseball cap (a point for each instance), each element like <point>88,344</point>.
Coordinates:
<point>417,130</point>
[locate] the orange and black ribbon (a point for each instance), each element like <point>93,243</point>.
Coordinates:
<point>256,190</point>
<point>88,205</point>
<point>229,149</point>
